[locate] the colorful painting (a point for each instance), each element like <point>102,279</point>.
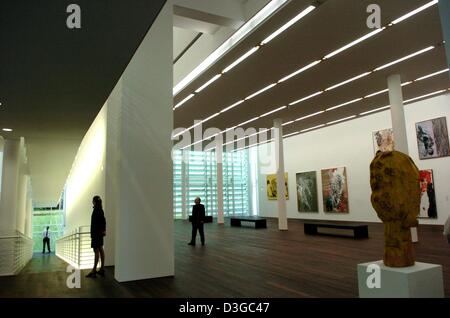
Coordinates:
<point>334,189</point>
<point>432,138</point>
<point>307,192</point>
<point>272,186</point>
<point>383,140</point>
<point>428,198</point>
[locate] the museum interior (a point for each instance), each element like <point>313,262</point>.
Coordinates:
<point>314,133</point>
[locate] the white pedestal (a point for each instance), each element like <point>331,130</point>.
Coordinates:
<point>419,281</point>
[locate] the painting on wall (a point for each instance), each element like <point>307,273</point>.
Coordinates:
<point>428,207</point>
<point>432,138</point>
<point>272,186</point>
<point>307,192</point>
<point>334,190</point>
<point>383,140</point>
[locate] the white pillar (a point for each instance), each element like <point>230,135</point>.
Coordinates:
<point>398,113</point>
<point>399,123</point>
<point>10,185</point>
<point>184,183</point>
<point>220,219</point>
<point>144,243</point>
<point>281,192</point>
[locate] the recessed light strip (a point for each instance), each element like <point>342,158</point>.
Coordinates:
<point>273,111</point>
<point>288,25</point>
<point>414,12</point>
<point>212,80</point>
<point>303,69</point>
<point>306,98</point>
<point>344,104</point>
<point>431,75</point>
<point>377,93</point>
<point>260,91</point>
<point>375,110</point>
<point>241,59</point>
<point>312,128</point>
<point>404,58</point>
<point>424,96</point>
<point>341,120</point>
<point>7,129</point>
<point>184,101</point>
<point>232,106</point>
<point>309,116</point>
<point>348,81</point>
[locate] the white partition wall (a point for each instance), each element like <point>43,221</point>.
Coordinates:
<point>350,145</point>
<point>144,223</point>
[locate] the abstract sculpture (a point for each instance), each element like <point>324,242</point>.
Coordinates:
<point>394,179</point>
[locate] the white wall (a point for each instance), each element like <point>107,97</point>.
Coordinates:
<point>350,145</point>
<point>15,214</point>
<point>87,179</point>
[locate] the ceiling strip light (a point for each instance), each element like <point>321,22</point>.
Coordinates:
<point>431,75</point>
<point>261,91</point>
<point>7,129</point>
<point>406,84</point>
<point>312,128</point>
<point>212,80</point>
<point>232,106</point>
<point>299,71</point>
<point>410,14</point>
<point>184,101</point>
<point>291,134</point>
<point>375,110</point>
<point>273,111</point>
<point>423,96</point>
<point>345,104</point>
<point>348,81</point>
<point>210,117</point>
<point>306,98</point>
<point>309,116</point>
<point>363,38</point>
<point>239,60</point>
<point>377,93</point>
<point>288,25</point>
<point>405,58</point>
<point>287,123</point>
<point>340,120</point>
<point>248,121</point>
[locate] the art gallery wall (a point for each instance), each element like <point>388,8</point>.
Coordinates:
<point>350,145</point>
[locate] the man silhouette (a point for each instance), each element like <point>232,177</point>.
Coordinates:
<point>46,240</point>
<point>198,219</point>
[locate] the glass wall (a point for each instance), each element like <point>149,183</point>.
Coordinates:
<point>197,177</point>
<point>43,218</point>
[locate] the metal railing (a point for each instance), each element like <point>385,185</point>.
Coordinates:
<point>75,248</point>
<point>16,250</point>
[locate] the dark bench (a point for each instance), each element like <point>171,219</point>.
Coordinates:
<point>357,230</point>
<point>208,219</point>
<point>260,223</point>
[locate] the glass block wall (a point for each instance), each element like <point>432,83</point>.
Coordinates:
<point>197,177</point>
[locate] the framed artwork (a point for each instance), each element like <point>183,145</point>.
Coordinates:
<point>383,140</point>
<point>428,207</point>
<point>432,138</point>
<point>307,200</point>
<point>272,186</point>
<point>334,190</point>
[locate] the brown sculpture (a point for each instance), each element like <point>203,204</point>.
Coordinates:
<point>394,179</point>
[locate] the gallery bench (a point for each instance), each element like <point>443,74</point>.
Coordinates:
<point>260,223</point>
<point>355,230</point>
<point>208,219</point>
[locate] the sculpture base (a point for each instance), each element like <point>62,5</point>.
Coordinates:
<point>419,281</point>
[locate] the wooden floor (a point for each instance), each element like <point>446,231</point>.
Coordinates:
<point>239,262</point>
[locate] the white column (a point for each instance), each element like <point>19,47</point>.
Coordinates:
<point>399,123</point>
<point>184,184</point>
<point>220,219</point>
<point>10,185</point>
<point>398,113</point>
<point>144,244</point>
<point>281,192</point>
